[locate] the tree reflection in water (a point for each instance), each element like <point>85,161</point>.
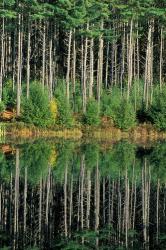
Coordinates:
<point>83,196</point>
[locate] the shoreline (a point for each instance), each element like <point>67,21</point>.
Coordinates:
<point>142,132</point>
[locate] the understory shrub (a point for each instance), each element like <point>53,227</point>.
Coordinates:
<point>64,113</point>
<point>125,116</point>
<point>2,106</point>
<point>9,95</point>
<point>157,112</point>
<point>92,116</point>
<point>36,109</point>
<point>118,109</point>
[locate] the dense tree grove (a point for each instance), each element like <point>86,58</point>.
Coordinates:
<point>84,50</point>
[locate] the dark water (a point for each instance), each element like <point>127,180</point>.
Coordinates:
<point>68,195</point>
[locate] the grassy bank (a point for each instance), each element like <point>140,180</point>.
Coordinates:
<point>22,130</point>
<point>144,132</point>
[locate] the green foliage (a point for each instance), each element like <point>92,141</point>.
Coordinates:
<point>36,109</point>
<point>125,117</point>
<point>157,111</point>
<point>92,116</point>
<point>9,95</point>
<point>119,109</point>
<point>2,106</point>
<point>64,117</point>
<point>64,113</point>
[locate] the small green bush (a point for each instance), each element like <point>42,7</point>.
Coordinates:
<point>157,112</point>
<point>2,106</point>
<point>64,117</point>
<point>36,109</point>
<point>92,116</point>
<point>115,106</point>
<point>8,95</point>
<point>110,102</point>
<point>125,116</point>
<point>64,113</point>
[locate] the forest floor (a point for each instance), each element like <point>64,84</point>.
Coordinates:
<point>141,133</point>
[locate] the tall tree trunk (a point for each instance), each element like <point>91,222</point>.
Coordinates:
<point>28,57</point>
<point>161,58</point>
<point>149,66</point>
<point>44,55</point>
<point>100,65</point>
<point>19,66</point>
<point>130,59</point>
<point>91,81</point>
<point>85,74</point>
<point>2,57</point>
<point>50,69</point>
<point>68,66</point>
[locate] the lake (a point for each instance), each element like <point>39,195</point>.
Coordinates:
<point>81,195</point>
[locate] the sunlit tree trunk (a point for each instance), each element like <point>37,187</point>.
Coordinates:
<point>19,67</point>
<point>91,82</point>
<point>85,73</point>
<point>100,65</point>
<point>130,59</point>
<point>44,55</point>
<point>28,57</point>
<point>68,66</point>
<point>2,57</point>
<point>50,69</point>
<point>149,66</point>
<point>161,58</point>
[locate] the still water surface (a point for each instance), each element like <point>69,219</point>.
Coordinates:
<point>72,195</point>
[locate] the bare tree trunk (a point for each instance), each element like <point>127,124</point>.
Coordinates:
<point>85,74</point>
<point>50,70</point>
<point>91,82</point>
<point>149,66</point>
<point>19,67</point>
<point>2,57</point>
<point>74,63</point>
<point>68,66</point>
<point>44,55</point>
<point>28,57</point>
<point>123,60</point>
<point>100,65</point>
<point>130,59</point>
<point>161,58</point>
<point>138,56</point>
<point>107,65</point>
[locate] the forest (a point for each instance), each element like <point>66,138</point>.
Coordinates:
<point>79,62</point>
